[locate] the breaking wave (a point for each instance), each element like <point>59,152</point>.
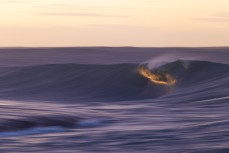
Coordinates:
<point>92,83</point>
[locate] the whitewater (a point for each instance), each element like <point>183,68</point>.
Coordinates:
<point>124,99</point>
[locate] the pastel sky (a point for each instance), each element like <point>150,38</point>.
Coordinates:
<point>151,23</point>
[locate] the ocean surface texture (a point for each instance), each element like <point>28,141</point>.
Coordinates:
<point>84,100</point>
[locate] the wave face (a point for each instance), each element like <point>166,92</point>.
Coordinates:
<point>73,82</point>
<point>167,105</point>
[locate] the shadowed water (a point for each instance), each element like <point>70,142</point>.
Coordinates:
<point>100,106</point>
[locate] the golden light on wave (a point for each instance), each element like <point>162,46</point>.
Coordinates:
<point>161,78</point>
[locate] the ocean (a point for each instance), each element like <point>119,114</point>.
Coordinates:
<point>94,99</point>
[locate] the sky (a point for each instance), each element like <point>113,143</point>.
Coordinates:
<point>142,23</point>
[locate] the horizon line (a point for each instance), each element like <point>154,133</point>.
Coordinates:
<point>20,47</point>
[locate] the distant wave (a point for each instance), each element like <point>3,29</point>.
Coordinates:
<point>92,83</point>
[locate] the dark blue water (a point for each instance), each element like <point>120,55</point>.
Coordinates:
<point>87,104</point>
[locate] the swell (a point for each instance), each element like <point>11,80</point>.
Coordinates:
<point>85,83</point>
